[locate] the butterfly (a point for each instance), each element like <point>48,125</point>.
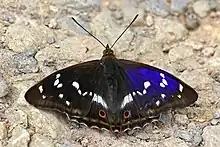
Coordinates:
<point>111,94</point>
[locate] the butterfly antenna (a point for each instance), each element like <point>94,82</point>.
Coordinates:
<point>88,32</point>
<point>125,30</point>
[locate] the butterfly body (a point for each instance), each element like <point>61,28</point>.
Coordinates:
<point>112,94</point>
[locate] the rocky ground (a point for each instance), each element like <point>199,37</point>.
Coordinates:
<point>39,37</point>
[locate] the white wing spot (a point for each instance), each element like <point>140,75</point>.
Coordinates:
<point>139,93</point>
<point>43,96</point>
<point>80,92</point>
<point>162,75</point>
<point>85,93</point>
<point>133,93</point>
<point>181,88</point>
<point>41,89</point>
<point>179,96</point>
<point>68,103</point>
<point>163,95</point>
<point>146,84</point>
<point>60,95</point>
<point>162,85</point>
<point>164,81</point>
<point>56,82</point>
<point>99,99</point>
<point>90,94</point>
<point>127,99</point>
<point>60,85</point>
<point>75,84</point>
<point>57,76</point>
<point>144,91</point>
<point>158,103</point>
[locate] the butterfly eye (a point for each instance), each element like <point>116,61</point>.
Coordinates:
<point>102,113</point>
<point>126,114</point>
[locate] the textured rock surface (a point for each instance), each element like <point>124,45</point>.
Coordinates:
<point>38,37</point>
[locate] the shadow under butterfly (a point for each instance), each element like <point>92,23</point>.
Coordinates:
<point>111,94</point>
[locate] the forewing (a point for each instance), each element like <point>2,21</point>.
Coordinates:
<point>154,90</point>
<point>69,90</point>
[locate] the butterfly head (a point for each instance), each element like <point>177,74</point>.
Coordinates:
<point>108,51</point>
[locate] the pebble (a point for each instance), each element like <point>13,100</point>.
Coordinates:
<point>214,122</point>
<point>203,7</point>
<point>25,63</point>
<point>51,40</point>
<point>53,24</point>
<point>3,130</point>
<point>3,87</point>
<point>149,20</point>
<point>191,19</point>
<point>208,52</point>
<point>197,46</point>
<point>217,114</point>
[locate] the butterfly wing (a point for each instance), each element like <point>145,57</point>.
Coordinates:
<point>66,90</point>
<point>152,91</point>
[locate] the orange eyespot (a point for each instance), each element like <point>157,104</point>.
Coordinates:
<point>126,114</point>
<point>102,113</point>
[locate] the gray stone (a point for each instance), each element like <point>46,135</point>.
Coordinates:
<point>180,52</point>
<point>203,7</point>
<point>17,117</point>
<point>171,142</point>
<point>46,123</point>
<point>3,130</point>
<point>192,136</point>
<point>3,87</point>
<point>158,7</point>
<point>214,71</point>
<point>169,30</point>
<point>38,140</point>
<point>70,144</point>
<point>108,31</point>
<point>181,119</point>
<point>68,24</point>
<point>20,138</point>
<point>20,37</point>
<point>179,5</point>
<point>211,136</point>
<point>185,135</point>
<point>130,8</point>
<point>25,63</point>
<point>78,4</point>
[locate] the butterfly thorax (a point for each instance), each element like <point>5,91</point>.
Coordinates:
<point>112,79</point>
